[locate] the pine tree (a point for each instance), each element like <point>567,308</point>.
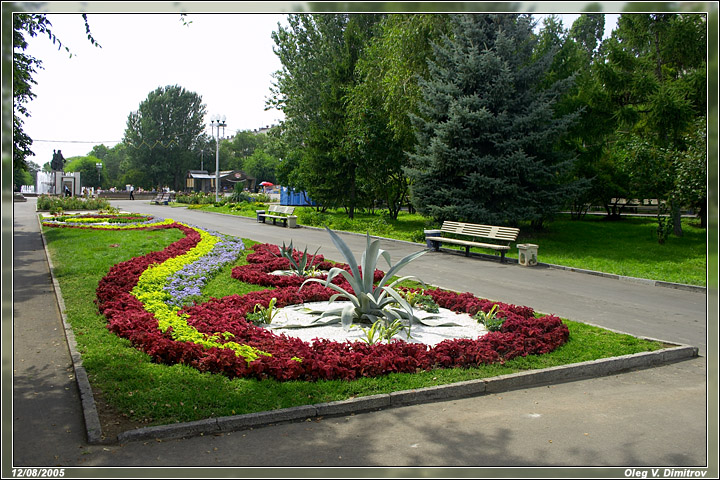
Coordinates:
<point>487,130</point>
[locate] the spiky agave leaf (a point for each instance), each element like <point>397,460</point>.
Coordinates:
<point>369,263</point>
<point>328,283</point>
<point>347,316</point>
<point>402,263</point>
<point>304,261</point>
<point>346,252</point>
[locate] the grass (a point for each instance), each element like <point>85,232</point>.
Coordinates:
<point>154,394</point>
<point>626,247</point>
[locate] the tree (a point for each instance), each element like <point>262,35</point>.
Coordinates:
<point>87,166</point>
<point>261,166</point>
<point>655,72</point>
<point>22,177</point>
<point>115,164</point>
<point>24,67</point>
<point>379,105</point>
<point>99,151</point>
<point>162,135</point>
<point>204,150</point>
<point>319,54</point>
<point>244,144</point>
<point>487,130</point>
<point>577,54</point>
<point>690,167</point>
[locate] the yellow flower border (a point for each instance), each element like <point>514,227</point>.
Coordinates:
<point>150,292</point>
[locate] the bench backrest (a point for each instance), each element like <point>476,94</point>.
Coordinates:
<point>287,210</point>
<point>507,234</point>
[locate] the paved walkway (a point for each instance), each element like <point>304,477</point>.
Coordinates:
<point>652,417</point>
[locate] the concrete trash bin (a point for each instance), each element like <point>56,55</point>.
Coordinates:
<point>527,254</point>
<point>431,233</point>
<point>258,213</point>
<point>292,221</point>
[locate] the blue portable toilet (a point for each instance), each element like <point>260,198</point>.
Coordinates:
<point>288,196</point>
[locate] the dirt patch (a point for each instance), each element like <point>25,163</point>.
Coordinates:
<point>113,422</point>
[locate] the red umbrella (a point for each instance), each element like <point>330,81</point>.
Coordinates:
<point>266,184</point>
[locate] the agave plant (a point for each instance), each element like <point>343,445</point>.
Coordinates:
<point>301,266</point>
<point>380,331</point>
<point>263,315</point>
<point>491,320</point>
<point>368,303</point>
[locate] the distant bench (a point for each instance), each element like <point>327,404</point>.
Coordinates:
<point>472,231</point>
<point>164,198</point>
<point>278,213</point>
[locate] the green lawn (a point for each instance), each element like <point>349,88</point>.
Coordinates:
<point>153,394</point>
<point>626,247</point>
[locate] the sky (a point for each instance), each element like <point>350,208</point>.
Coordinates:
<point>85,99</point>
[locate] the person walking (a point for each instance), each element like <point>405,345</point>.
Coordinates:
<point>132,189</point>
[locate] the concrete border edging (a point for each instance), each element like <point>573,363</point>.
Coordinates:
<point>90,415</point>
<point>469,388</point>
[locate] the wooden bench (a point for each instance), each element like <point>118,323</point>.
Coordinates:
<point>504,235</point>
<point>646,205</point>
<point>277,213</point>
<point>164,198</point>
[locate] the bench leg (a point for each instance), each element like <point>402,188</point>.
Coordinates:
<point>502,257</point>
<point>467,250</point>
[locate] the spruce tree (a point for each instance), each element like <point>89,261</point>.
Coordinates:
<point>487,130</point>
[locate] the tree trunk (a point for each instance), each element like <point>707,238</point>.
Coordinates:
<point>676,219</point>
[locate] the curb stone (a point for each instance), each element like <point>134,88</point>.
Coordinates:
<point>92,419</point>
<point>469,388</point>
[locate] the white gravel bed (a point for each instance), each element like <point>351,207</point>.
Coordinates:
<point>467,327</point>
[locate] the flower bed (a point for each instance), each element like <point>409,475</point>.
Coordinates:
<point>265,260</point>
<point>215,337</point>
<point>109,221</point>
<point>186,284</point>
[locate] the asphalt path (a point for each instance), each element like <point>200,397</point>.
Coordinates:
<point>637,308</point>
<point>614,426</point>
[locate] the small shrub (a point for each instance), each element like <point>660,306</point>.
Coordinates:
<point>312,218</point>
<point>379,331</point>
<point>490,319</point>
<point>58,204</point>
<point>239,195</point>
<point>418,236</point>
<point>260,197</point>
<point>263,315</point>
<point>303,265</point>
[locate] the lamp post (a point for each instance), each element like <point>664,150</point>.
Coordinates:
<point>217,121</point>
<point>98,165</point>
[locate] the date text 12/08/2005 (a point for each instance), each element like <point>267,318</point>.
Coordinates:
<point>38,472</point>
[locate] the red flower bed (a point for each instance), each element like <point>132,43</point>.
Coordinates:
<point>293,359</point>
<point>266,260</point>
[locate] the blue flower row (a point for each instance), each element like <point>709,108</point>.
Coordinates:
<point>186,284</point>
